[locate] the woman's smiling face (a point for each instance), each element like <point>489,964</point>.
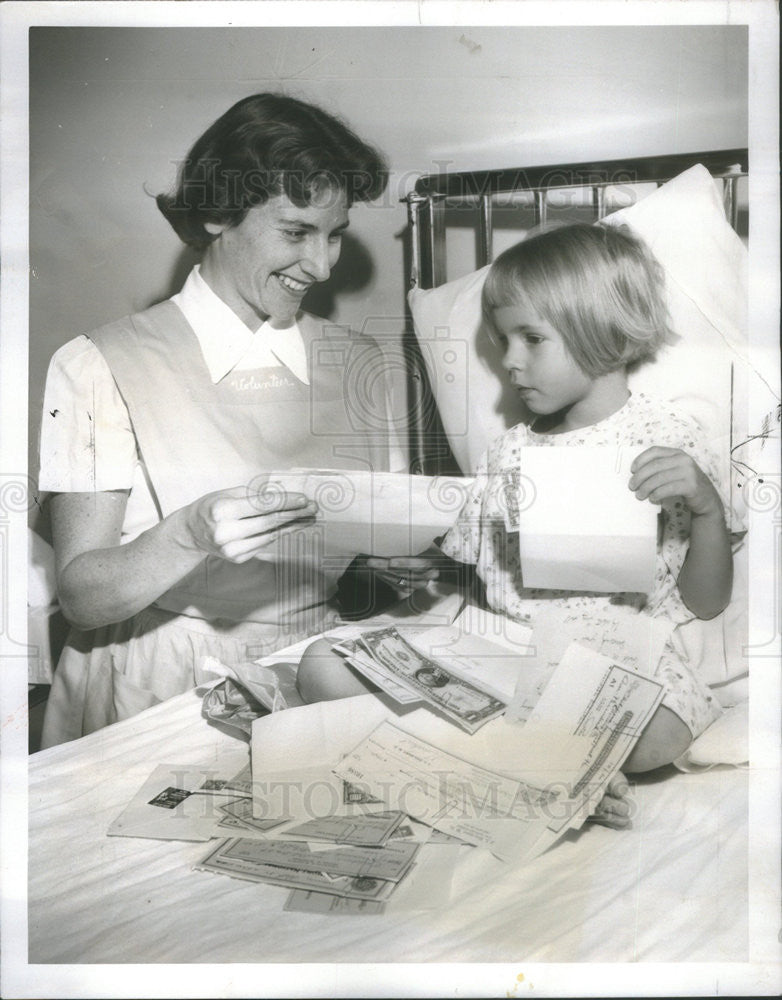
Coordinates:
<point>263,267</point>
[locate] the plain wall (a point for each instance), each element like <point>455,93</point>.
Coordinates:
<point>112,111</point>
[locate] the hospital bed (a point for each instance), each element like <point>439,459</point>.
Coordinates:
<point>673,888</point>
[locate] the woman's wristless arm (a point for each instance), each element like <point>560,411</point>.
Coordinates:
<point>100,581</point>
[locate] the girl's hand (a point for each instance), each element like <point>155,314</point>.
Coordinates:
<point>661,473</point>
<point>614,808</point>
<point>239,523</point>
<point>405,572</point>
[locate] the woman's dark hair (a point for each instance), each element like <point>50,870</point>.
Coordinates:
<point>267,145</point>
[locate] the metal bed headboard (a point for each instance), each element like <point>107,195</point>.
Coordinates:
<point>435,193</point>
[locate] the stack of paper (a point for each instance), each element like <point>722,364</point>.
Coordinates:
<point>512,789</point>
<point>356,805</point>
<point>479,806</point>
<point>625,637</point>
<point>336,847</point>
<point>585,724</point>
<point>350,872</point>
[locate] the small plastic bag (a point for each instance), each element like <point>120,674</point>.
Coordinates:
<point>237,702</point>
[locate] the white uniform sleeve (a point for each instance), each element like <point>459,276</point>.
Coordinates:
<point>87,441</point>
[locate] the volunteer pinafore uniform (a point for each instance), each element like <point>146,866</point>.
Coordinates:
<point>197,436</point>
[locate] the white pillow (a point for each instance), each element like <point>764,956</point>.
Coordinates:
<point>706,273</point>
<point>726,741</point>
<point>473,395</point>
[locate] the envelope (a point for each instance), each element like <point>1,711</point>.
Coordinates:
<point>180,802</point>
<point>580,526</point>
<point>381,513</point>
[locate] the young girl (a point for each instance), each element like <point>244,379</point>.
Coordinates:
<point>572,309</point>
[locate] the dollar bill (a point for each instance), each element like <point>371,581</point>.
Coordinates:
<point>460,701</point>
<point>369,669</point>
<point>366,666</point>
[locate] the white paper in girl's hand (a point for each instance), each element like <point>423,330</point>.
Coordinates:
<point>580,527</point>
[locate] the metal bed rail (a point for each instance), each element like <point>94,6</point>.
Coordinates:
<point>434,193</point>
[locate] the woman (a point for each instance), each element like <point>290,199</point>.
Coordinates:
<point>158,428</point>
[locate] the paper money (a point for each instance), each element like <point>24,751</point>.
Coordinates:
<point>365,666</point>
<point>458,699</point>
<point>488,650</point>
<point>359,660</point>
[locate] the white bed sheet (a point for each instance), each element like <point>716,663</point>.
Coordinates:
<point>673,888</point>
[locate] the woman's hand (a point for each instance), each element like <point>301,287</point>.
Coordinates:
<point>661,473</point>
<point>405,572</point>
<point>614,808</point>
<point>239,523</point>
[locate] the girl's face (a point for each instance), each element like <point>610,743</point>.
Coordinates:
<point>263,267</point>
<point>540,365</point>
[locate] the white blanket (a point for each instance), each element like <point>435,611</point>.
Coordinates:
<point>673,888</point>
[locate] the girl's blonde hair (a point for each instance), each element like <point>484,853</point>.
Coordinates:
<point>599,286</point>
